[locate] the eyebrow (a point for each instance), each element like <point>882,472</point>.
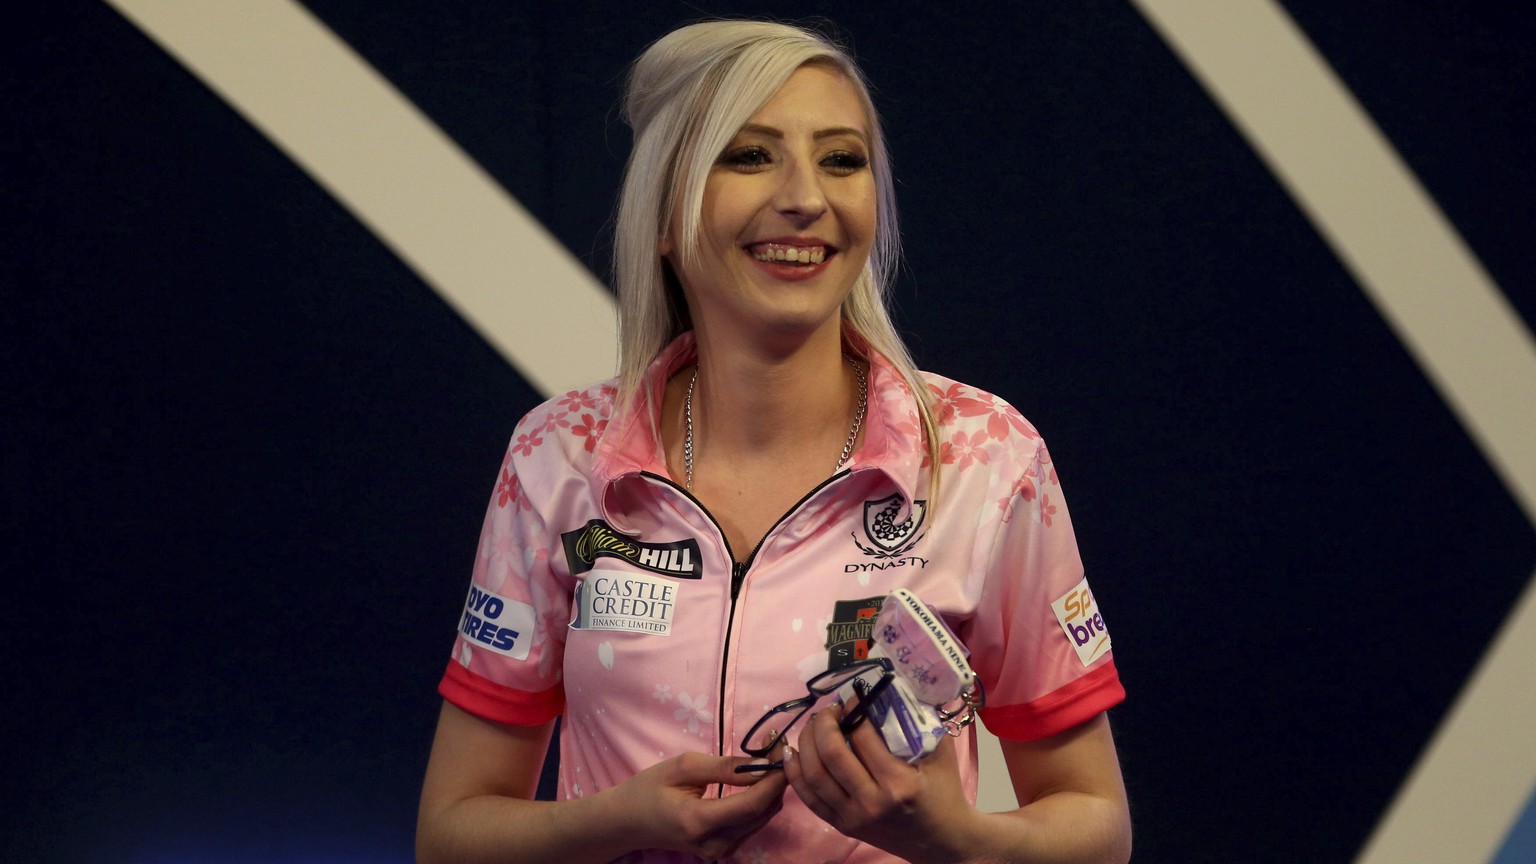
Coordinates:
<point>818,135</point>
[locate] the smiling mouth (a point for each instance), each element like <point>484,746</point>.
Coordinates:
<point>783,253</point>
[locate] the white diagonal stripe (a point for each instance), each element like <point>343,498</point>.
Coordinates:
<point>401,176</point>
<point>1478,772</point>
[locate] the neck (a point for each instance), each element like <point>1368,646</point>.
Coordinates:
<point>751,405</point>
<point>749,402</point>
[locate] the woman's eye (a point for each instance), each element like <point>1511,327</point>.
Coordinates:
<point>746,158</point>
<point>844,162</point>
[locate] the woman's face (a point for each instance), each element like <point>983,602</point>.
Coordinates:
<point>788,215</point>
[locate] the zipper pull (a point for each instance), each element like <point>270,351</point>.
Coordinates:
<point>738,573</point>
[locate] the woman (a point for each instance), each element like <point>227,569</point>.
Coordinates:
<point>668,555</point>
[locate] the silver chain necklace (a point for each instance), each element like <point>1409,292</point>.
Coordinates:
<point>853,433</point>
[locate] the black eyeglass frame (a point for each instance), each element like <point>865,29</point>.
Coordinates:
<point>819,687</point>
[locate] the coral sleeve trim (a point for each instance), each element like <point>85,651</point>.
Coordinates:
<point>491,701</point>
<point>1061,709</point>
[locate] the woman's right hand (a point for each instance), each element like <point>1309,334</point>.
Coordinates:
<point>668,802</point>
<point>477,802</point>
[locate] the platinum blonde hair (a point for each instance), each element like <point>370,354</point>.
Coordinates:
<point>688,95</point>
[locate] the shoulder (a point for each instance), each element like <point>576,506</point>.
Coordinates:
<point>970,414</point>
<point>563,429</point>
<point>989,452</point>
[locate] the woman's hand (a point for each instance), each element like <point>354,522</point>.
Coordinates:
<point>476,802</point>
<point>1074,807</point>
<point>668,799</point>
<point>858,787</point>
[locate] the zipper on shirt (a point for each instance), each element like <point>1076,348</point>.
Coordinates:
<point>738,576</point>
<point>738,573</point>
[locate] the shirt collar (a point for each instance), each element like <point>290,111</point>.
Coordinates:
<point>892,442</point>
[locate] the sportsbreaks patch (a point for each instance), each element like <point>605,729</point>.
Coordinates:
<point>678,559</point>
<point>633,602</point>
<point>1081,621</point>
<point>497,623</point>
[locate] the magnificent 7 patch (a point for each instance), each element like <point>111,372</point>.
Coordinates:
<point>853,622</point>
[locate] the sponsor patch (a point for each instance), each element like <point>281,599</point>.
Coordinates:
<point>597,539</point>
<point>632,602</point>
<point>887,537</point>
<point>1080,619</point>
<point>497,623</point>
<point>853,623</point>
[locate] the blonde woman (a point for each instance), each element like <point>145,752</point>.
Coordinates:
<point>669,555</point>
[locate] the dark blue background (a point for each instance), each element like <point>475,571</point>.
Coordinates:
<point>247,451</point>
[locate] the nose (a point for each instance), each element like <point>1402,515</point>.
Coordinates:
<point>800,196</point>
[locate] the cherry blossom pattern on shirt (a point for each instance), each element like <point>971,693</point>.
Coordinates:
<point>497,546</point>
<point>590,429</point>
<point>577,401</point>
<point>1026,489</point>
<point>552,615</point>
<point>526,443</point>
<point>958,400</point>
<point>555,421</point>
<point>695,712</point>
<point>583,414</point>
<point>961,449</point>
<point>509,490</point>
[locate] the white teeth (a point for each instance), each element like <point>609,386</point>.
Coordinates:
<point>792,254</point>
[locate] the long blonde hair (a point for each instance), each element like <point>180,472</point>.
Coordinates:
<point>688,95</point>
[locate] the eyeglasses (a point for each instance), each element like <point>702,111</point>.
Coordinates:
<point>782,716</point>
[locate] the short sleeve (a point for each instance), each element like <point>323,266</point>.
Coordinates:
<point>507,654</point>
<point>1039,641</point>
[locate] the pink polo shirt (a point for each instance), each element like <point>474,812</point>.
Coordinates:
<point>604,592</point>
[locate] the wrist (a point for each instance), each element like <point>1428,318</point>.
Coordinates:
<point>606,824</point>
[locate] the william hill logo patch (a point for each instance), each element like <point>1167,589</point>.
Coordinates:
<point>678,559</point>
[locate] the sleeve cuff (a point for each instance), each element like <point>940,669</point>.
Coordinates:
<point>1063,708</point>
<point>491,701</point>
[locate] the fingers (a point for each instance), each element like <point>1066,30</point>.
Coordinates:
<point>883,767</point>
<point>710,827</point>
<point>842,763</point>
<point>854,782</point>
<point>825,772</point>
<point>736,817</point>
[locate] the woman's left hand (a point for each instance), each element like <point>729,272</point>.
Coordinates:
<point>860,788</point>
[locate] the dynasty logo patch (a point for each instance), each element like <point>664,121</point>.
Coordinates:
<point>678,559</point>
<point>853,624</point>
<point>887,537</point>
